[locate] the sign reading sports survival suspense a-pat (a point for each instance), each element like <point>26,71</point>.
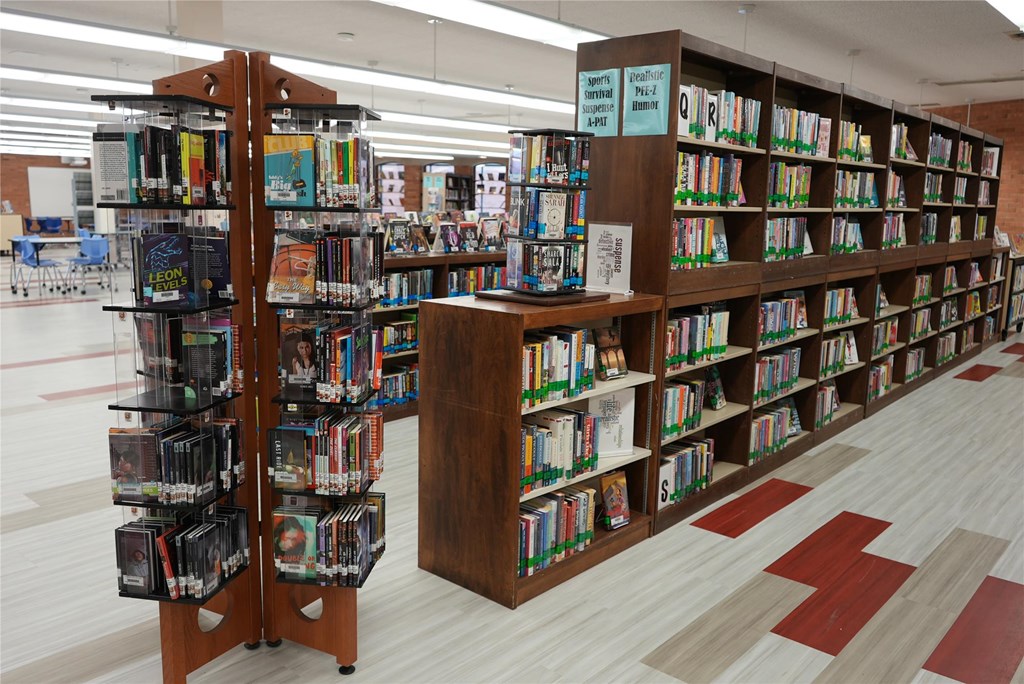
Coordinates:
<point>597,102</point>
<point>646,102</point>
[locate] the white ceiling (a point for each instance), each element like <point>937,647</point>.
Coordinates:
<point>900,43</point>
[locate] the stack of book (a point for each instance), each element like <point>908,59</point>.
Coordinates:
<point>932,187</point>
<point>698,242</point>
<point>698,337</point>
<point>554,159</point>
<point>846,235</point>
<point>557,444</point>
<point>778,320</point>
<point>334,454</point>
<point>683,406</point>
<point>557,364</point>
<point>687,467</point>
<point>311,268</point>
<point>785,238</point>
<point>718,116</point>
<point>403,288</point>
<point>770,431</point>
<point>833,355</point>
<point>854,145</point>
<point>967,340</point>
<point>973,309</point>
<point>776,373</point>
<point>856,190</point>
<point>840,306</point>
<point>940,149</point>
<point>963,156</point>
<point>880,377</point>
<point>555,527</point>
<point>708,180</point>
<point>960,190</point>
<point>549,214</point>
<point>894,231</point>
<point>303,170</point>
<point>800,132</point>
<point>789,185</point>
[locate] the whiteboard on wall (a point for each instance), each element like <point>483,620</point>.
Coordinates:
<point>51,191</point>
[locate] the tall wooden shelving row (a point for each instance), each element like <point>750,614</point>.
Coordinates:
<point>633,181</point>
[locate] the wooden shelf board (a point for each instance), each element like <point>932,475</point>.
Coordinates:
<point>908,209</point>
<point>800,334</point>
<point>810,158</point>
<point>986,206</point>
<point>987,176</point>
<point>634,379</point>
<point>731,352</point>
<point>859,164</point>
<point>922,338</point>
<point>940,168</point>
<point>711,145</point>
<point>848,324</point>
<point>978,285</point>
<point>961,172</point>
<point>799,210</point>
<point>936,204</point>
<point>714,277</point>
<point>905,162</point>
<point>895,348</point>
<point>404,307</point>
<point>399,411</point>
<point>801,384</point>
<point>604,465</point>
<point>858,210</point>
<point>950,326</point>
<point>682,208</point>
<point>995,308</point>
<point>845,409</point>
<point>891,310</point>
<point>997,280</point>
<point>785,269</point>
<point>954,291</point>
<point>849,369</point>
<point>532,316</point>
<point>399,354</point>
<point>922,305</point>
<point>723,469</point>
<point>711,417</point>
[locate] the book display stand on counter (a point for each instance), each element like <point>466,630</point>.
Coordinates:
<point>183,453</point>
<point>318,275</point>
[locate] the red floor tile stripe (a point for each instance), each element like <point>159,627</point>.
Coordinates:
<point>757,505</point>
<point>1015,348</point>
<point>979,372</point>
<point>829,551</point>
<point>986,643</point>
<point>19,305</point>
<point>59,359</point>
<point>86,391</point>
<point>833,615</point>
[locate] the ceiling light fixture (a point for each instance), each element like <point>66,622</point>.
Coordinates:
<point>439,150</point>
<point>36,142</point>
<point>4,128</point>
<point>440,122</point>
<point>1011,9</point>
<point>75,80</point>
<point>416,137</point>
<point>432,157</point>
<point>499,19</point>
<point>54,104</point>
<point>44,151</point>
<point>101,35</point>
<point>346,36</point>
<point>33,118</point>
<point>40,137</point>
<point>151,42</point>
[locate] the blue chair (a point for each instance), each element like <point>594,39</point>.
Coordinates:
<point>82,232</point>
<point>29,223</point>
<point>93,254</point>
<point>52,225</point>
<point>46,268</point>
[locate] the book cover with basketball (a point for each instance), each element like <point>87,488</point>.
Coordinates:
<point>288,170</point>
<point>293,268</point>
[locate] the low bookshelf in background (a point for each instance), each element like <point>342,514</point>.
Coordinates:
<point>583,369</point>
<point>183,453</point>
<point>319,272</point>
<point>548,182</point>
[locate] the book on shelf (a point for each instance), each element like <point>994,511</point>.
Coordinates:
<point>563,443</point>
<point>956,231</point>
<point>698,242</point>
<point>492,233</point>
<point>329,548</point>
<point>789,185</point>
<point>557,159</point>
<point>302,170</point>
<point>614,500</point>
<point>847,237</point>
<point>915,363</point>
<point>769,432</point>
<point>714,389</point>
<point>786,237</point>
<point>899,145</point>
<point>402,334</point>
<point>800,132</point>
<point>162,268</point>
<point>827,403</point>
<point>854,144</point>
<point>896,191</point>
<point>884,336</point>
<point>833,356</point>
<point>940,148</point>
<point>778,320</point>
<point>400,385</point>
<point>403,288</point>
<point>964,153</point>
<point>558,363</point>
<point>776,373</point>
<point>980,227</point>
<point>929,228</point>
<point>545,267</point>
<point>208,358</point>
<point>959,190</point>
<point>467,281</point>
<point>856,189</point>
<point>894,231</point>
<point>880,377</point>
<point>840,306</point>
<point>683,406</point>
<point>984,192</point>
<point>332,454</point>
<point>709,180</point>
<point>718,116</point>
<point>932,187</point>
<point>920,323</point>
<point>686,467</point>
<point>555,527</point>
<point>990,161</point>
<point>611,359</point>
<point>293,267</point>
<point>850,355</point>
<point>794,428</point>
<point>696,336</point>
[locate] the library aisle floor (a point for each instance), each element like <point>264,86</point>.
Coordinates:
<point>893,553</point>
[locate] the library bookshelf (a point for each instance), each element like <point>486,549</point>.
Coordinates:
<point>888,258</point>
<point>207,101</point>
<point>470,437</point>
<point>442,265</point>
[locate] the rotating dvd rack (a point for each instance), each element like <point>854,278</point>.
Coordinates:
<point>318,274</point>
<point>173,169</point>
<point>548,180</point>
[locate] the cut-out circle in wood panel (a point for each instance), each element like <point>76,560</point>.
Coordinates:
<point>211,84</point>
<point>307,610</point>
<point>283,88</point>
<point>215,613</point>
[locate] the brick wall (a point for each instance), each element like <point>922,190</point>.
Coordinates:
<point>1004,120</point>
<point>14,178</point>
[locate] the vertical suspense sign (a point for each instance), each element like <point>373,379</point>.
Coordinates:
<point>597,102</point>
<point>646,102</point>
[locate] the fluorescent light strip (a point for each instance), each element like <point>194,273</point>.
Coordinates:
<point>111,37</point>
<point>5,140</point>
<point>417,85</point>
<point>55,104</point>
<point>44,151</point>
<point>407,155</point>
<point>74,80</point>
<point>33,118</point>
<point>440,122</point>
<point>60,140</point>
<point>4,128</point>
<point>415,137</point>
<point>501,20</point>
<point>439,150</point>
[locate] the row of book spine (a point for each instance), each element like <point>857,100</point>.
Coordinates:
<point>545,214</point>
<point>826,404</point>
<point>880,377</point>
<point>400,385</point>
<point>984,192</point>
<point>779,319</point>
<point>557,445</point>
<point>945,348</point>
<point>980,227</point>
<point>895,191</point>
<point>335,454</point>
<point>973,309</point>
<point>960,190</point>
<point>539,267</point>
<point>698,242</point>
<point>347,361</point>
<point>922,288</point>
<point>687,467</point>
<point>933,187</point>
<point>776,373</point>
<point>856,189</point>
<point>964,154</point>
<point>853,144</point>
<point>990,161</point>
<point>840,306</point>
<point>549,159</point>
<point>899,143</point>
<point>847,237</point>
<point>993,297</point>
<point>967,339</point>
<point>949,312</point>
<point>940,149</point>
<point>785,238</point>
<point>894,231</point>
<point>557,364</point>
<point>555,527</point>
<point>915,363</point>
<point>769,431</point>
<point>800,132</point>
<point>710,180</point>
<point>303,170</point>
<point>683,406</point>
<point>466,281</point>
<point>718,116</point>
<point>173,165</point>
<point>1018,280</point>
<point>929,228</point>
<point>403,288</point>
<point>949,279</point>
<point>920,323</point>
<point>955,228</point>
<point>833,355</point>
<point>401,335</point>
<point>789,185</point>
<point>884,335</point>
<point>696,338</point>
